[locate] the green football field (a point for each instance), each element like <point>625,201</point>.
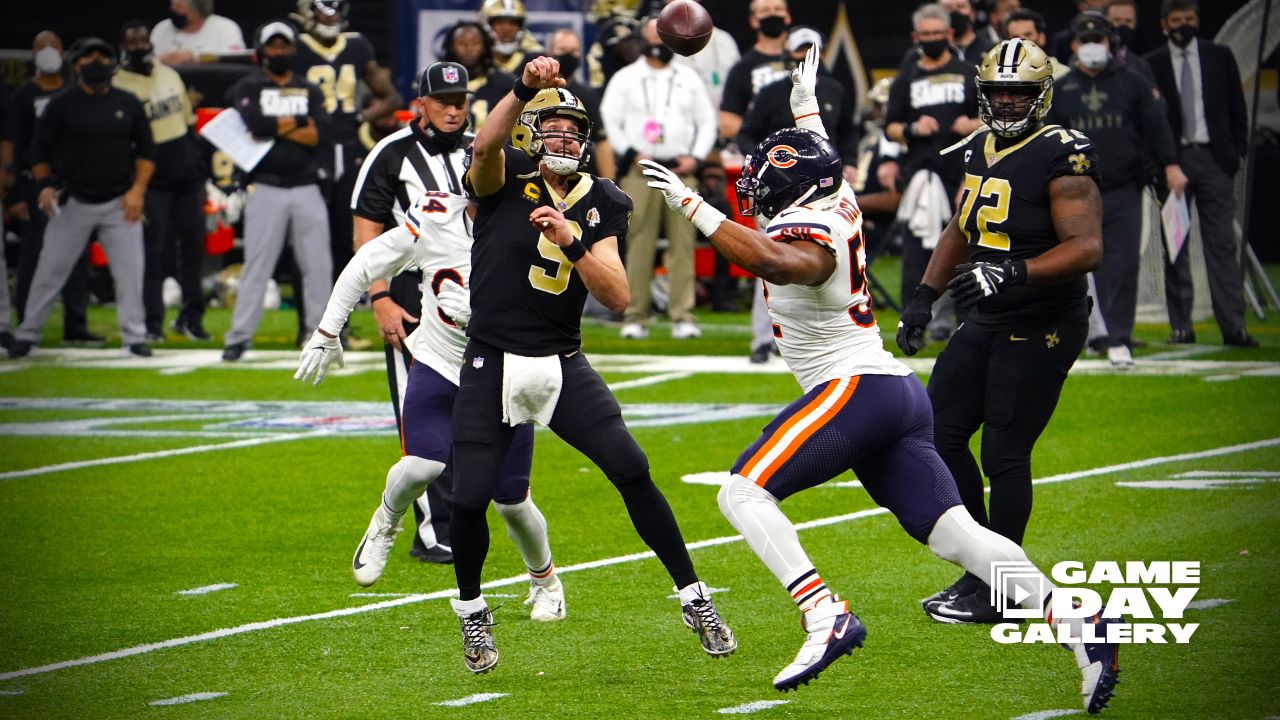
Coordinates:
<point>178,538</point>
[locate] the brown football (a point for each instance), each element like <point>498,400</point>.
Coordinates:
<point>685,27</point>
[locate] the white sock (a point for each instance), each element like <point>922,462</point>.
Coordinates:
<point>408,479</point>
<point>694,591</point>
<point>468,607</point>
<point>959,538</point>
<point>528,530</point>
<point>754,512</point>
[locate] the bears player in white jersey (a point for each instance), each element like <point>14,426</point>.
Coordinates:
<point>435,239</point>
<point>862,410</point>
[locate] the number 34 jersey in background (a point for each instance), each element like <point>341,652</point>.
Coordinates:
<point>337,70</point>
<point>1004,215</point>
<point>828,331</point>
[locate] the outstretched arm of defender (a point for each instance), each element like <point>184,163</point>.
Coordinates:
<point>487,164</point>
<point>387,255</point>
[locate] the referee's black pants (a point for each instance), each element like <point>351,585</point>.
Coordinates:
<point>588,417</point>
<point>1007,382</point>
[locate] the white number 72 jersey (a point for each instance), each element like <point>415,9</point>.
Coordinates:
<point>828,331</point>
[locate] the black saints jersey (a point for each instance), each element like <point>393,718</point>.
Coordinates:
<point>489,90</point>
<point>525,296</point>
<point>1004,215</point>
<point>336,70</point>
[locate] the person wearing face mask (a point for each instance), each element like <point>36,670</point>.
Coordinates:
<point>513,45</point>
<point>660,110</point>
<point>1115,108</point>
<point>972,46</point>
<point>26,105</point>
<point>91,160</point>
<point>175,197</point>
<point>765,63</point>
<point>470,44</point>
<point>284,197</point>
<point>1205,104</point>
<point>337,61</point>
<point>566,47</point>
<point>932,104</point>
<point>1123,16</point>
<point>193,30</point>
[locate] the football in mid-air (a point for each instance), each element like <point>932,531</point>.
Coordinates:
<point>685,27</point>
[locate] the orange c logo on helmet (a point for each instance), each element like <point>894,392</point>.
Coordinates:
<point>782,156</point>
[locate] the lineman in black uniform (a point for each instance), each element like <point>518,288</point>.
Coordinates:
<point>1027,232</point>
<point>546,235</point>
<point>336,61</point>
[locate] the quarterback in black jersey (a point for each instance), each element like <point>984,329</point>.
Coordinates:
<point>1016,254</point>
<point>546,234</point>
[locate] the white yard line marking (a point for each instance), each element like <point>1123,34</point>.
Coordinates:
<point>78,464</point>
<point>471,699</point>
<point>604,562</point>
<point>379,595</point>
<point>1046,714</point>
<point>184,699</point>
<point>206,589</point>
<point>11,693</point>
<point>1227,473</point>
<point>751,707</point>
<point>1208,603</point>
<point>1197,484</point>
<point>651,380</point>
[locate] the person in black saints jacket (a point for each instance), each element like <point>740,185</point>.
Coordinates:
<point>546,235</point>
<point>1016,254</point>
<point>284,199</point>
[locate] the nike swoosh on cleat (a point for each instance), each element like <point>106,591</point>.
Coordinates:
<point>355,562</point>
<point>839,634</point>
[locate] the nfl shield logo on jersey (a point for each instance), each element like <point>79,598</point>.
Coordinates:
<point>477,362</point>
<point>450,74</point>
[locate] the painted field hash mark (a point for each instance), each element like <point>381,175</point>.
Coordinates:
<point>751,707</point>
<point>206,589</point>
<point>184,699</point>
<point>471,699</point>
<point>1046,714</point>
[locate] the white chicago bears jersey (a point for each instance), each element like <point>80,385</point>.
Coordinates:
<point>435,239</point>
<point>828,331</point>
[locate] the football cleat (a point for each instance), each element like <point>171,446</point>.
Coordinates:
<point>967,583</point>
<point>700,616</point>
<point>478,651</point>
<point>547,601</point>
<point>833,631</point>
<point>438,554</point>
<point>371,555</point>
<point>975,608</point>
<point>1100,665</point>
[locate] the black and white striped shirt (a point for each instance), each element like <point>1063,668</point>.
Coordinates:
<point>399,169</point>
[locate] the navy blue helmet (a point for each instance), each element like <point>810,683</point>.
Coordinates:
<point>790,165</point>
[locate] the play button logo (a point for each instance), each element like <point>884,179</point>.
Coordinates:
<point>1013,582</point>
<point>1019,594</point>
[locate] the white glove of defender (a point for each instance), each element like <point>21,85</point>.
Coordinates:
<point>682,199</point>
<point>804,82</point>
<point>455,301</point>
<point>320,352</point>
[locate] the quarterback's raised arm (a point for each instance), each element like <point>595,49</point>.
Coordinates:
<point>487,163</point>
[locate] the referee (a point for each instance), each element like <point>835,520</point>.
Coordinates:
<point>426,155</point>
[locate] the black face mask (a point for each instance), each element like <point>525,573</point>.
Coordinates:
<point>1125,33</point>
<point>960,22</point>
<point>661,53</point>
<point>773,26</point>
<point>1182,36</point>
<point>440,142</point>
<point>568,64</point>
<point>933,49</point>
<point>96,75</point>
<point>179,21</point>
<point>138,61</point>
<point>277,64</point>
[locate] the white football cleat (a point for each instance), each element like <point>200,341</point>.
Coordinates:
<point>547,601</point>
<point>833,631</point>
<point>375,546</point>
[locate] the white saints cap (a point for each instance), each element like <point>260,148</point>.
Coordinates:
<point>274,28</point>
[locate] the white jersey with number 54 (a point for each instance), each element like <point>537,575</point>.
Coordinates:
<point>828,331</point>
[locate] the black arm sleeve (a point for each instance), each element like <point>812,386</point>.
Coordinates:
<point>140,132</point>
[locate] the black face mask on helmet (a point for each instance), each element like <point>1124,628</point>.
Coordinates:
<point>97,75</point>
<point>277,64</point>
<point>933,49</point>
<point>660,52</point>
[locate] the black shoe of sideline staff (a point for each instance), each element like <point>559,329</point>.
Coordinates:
<point>232,353</point>
<point>81,337</point>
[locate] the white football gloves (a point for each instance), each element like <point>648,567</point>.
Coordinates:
<point>804,93</point>
<point>455,301</point>
<point>682,199</point>
<point>320,352</point>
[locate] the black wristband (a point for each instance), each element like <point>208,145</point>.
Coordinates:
<point>574,251</point>
<point>908,131</point>
<point>378,296</point>
<point>523,92</point>
<point>1017,271</point>
<point>926,295</point>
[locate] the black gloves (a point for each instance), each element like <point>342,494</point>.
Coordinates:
<point>915,318</point>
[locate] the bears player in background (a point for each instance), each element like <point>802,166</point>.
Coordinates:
<point>546,234</point>
<point>435,239</point>
<point>1016,254</point>
<point>862,410</point>
<point>337,61</point>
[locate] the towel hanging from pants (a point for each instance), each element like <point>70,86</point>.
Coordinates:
<point>530,388</point>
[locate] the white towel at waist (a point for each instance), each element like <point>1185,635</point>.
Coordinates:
<point>925,207</point>
<point>530,388</point>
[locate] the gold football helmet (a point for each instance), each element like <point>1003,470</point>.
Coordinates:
<point>1015,87</point>
<point>528,135</point>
